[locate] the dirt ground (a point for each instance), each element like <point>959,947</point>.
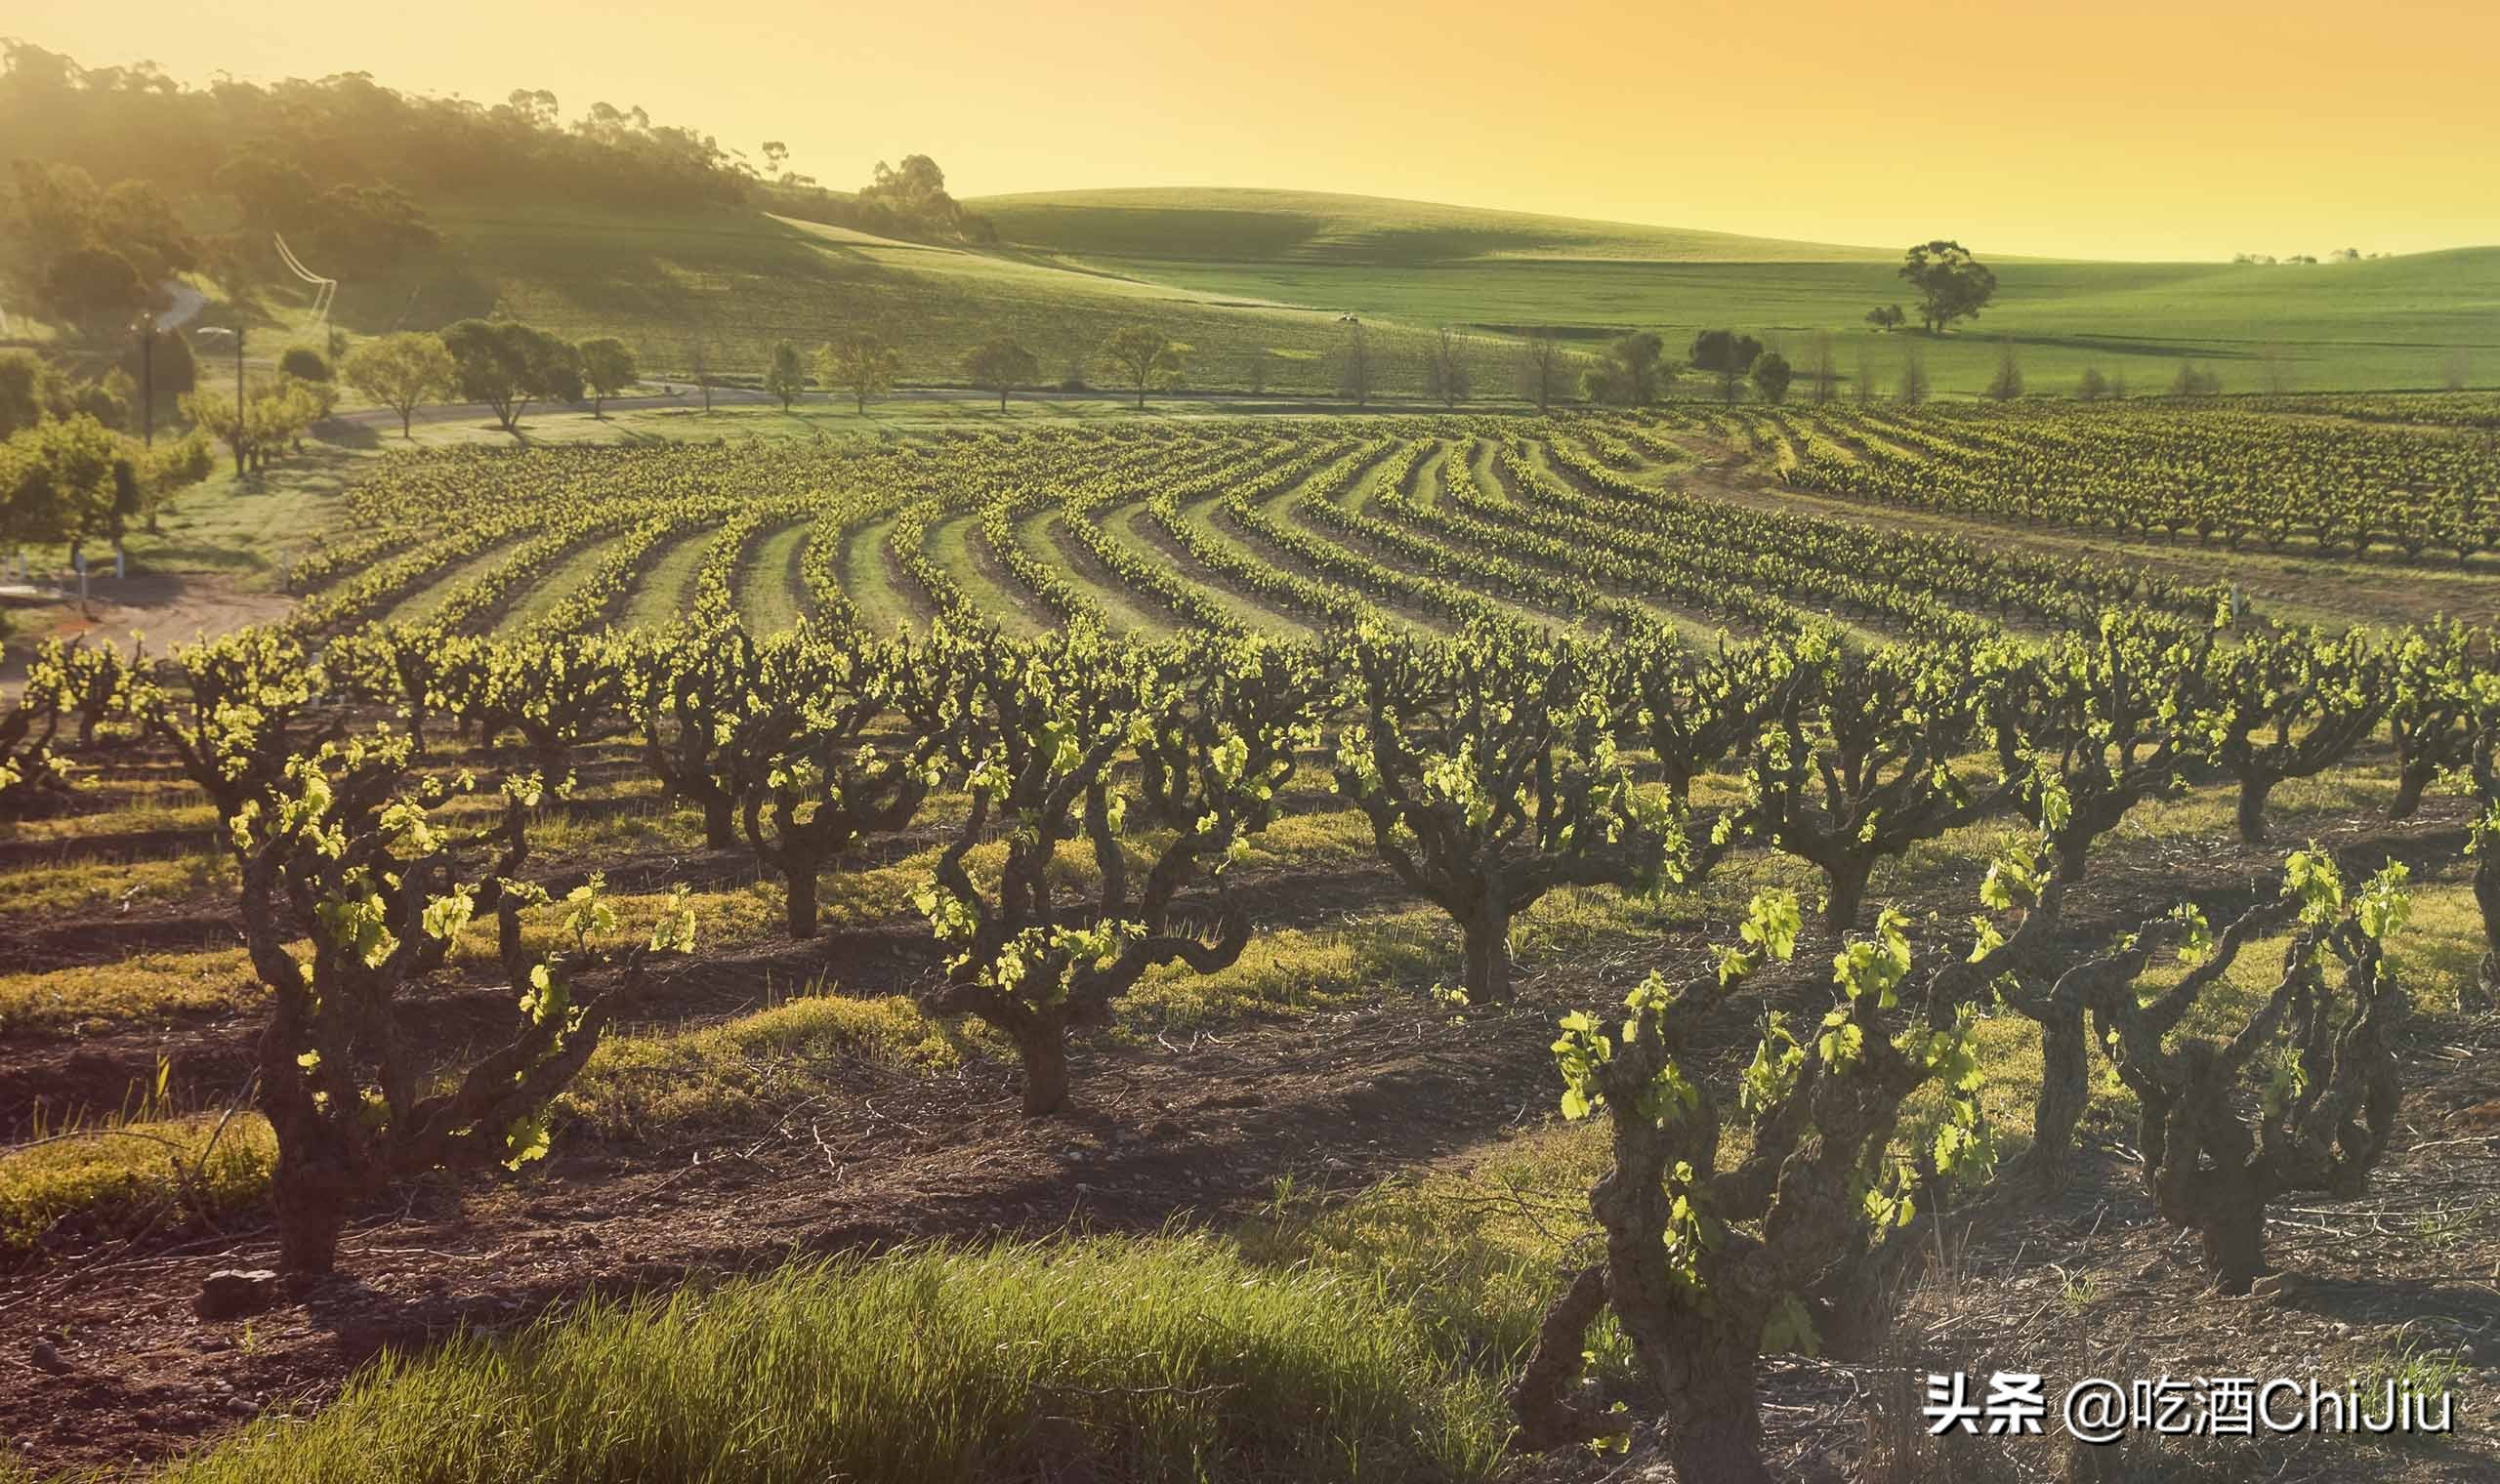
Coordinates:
<point>168,609</point>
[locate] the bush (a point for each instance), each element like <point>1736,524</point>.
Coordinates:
<point>304,363</point>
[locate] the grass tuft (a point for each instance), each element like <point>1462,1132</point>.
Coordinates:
<point>1143,1359</point>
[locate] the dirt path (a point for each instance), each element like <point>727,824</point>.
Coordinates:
<point>169,609</point>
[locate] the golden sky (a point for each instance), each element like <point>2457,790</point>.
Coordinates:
<point>2109,128</point>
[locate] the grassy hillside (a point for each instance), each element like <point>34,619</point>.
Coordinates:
<point>2393,322</point>
<point>1254,283</point>
<point>1315,227</point>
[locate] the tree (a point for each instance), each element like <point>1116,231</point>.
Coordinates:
<point>56,480</point>
<point>1141,355</point>
<point>1726,352</point>
<point>1771,376</point>
<point>2276,368</point>
<point>698,361</point>
<point>1885,316</point>
<point>1952,284</point>
<point>2456,370</point>
<point>2093,387</point>
<point>402,371</point>
<point>96,289</point>
<point>787,378</point>
<point>1000,365</point>
<point>1356,370</point>
<point>1865,383</point>
<point>2007,384</point>
<point>1542,376</point>
<point>1446,378</point>
<point>31,388</point>
<point>1635,372</point>
<point>607,369</point>
<point>1826,374</point>
<point>507,365</point>
<point>1913,385</point>
<point>304,363</point>
<point>775,156</point>
<point>2194,380</point>
<point>860,363</point>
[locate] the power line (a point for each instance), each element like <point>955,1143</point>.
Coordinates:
<point>323,289</point>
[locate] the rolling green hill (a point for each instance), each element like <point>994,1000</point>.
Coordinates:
<point>1238,226</point>
<point>2388,322</point>
<point>1254,283</point>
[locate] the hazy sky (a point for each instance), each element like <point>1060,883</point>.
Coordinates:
<point>2109,128</point>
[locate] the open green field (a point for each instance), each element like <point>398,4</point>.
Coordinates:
<point>2385,323</point>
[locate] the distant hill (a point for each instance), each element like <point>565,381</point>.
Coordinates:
<point>1240,225</point>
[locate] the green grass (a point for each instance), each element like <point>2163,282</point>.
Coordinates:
<point>731,1073</point>
<point>141,988</point>
<point>1156,1359</point>
<point>122,1178</point>
<point>665,593</point>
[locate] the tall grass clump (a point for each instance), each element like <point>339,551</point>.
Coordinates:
<point>1130,1359</point>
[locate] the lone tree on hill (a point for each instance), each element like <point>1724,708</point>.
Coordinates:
<point>401,371</point>
<point>787,377</point>
<point>1885,316</point>
<point>861,363</point>
<point>1726,352</point>
<point>1952,284</point>
<point>1001,365</point>
<point>1141,355</point>
<point>608,368</point>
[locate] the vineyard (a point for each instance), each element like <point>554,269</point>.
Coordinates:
<point>2229,478</point>
<point>1532,932</point>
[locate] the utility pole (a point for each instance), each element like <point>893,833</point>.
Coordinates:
<point>238,399</point>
